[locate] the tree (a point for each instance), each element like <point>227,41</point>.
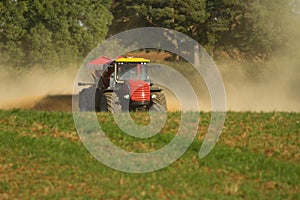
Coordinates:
<point>253,27</point>
<point>249,28</point>
<point>51,32</point>
<point>180,15</point>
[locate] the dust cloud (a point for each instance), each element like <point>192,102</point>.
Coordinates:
<point>271,85</point>
<point>27,88</point>
<point>274,86</point>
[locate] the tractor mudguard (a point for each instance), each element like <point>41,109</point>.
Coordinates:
<point>155,89</point>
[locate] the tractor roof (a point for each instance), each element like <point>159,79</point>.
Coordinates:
<point>131,59</point>
<point>100,61</point>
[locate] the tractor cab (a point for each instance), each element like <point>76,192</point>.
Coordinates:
<point>122,70</point>
<point>131,69</point>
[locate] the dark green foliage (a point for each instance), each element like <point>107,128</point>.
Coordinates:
<point>182,16</point>
<point>51,32</point>
<point>56,32</point>
<point>253,27</point>
<point>241,28</point>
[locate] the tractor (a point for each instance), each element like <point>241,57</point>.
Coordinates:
<point>121,84</point>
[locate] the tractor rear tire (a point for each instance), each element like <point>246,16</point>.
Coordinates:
<point>159,103</point>
<point>103,105</point>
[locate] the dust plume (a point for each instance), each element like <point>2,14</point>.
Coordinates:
<point>24,89</point>
<point>271,85</point>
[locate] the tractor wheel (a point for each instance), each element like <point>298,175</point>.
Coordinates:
<point>112,103</point>
<point>86,100</point>
<point>159,103</point>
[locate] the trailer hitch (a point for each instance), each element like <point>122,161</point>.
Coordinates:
<point>86,84</point>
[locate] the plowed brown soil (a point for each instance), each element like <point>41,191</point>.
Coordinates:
<point>54,103</point>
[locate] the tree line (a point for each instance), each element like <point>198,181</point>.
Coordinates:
<point>54,32</point>
<point>51,32</point>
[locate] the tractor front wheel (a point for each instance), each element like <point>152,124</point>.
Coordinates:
<point>159,101</point>
<point>110,102</point>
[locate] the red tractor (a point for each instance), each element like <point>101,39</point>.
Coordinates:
<point>121,84</point>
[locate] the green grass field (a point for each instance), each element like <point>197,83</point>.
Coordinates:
<point>257,157</point>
